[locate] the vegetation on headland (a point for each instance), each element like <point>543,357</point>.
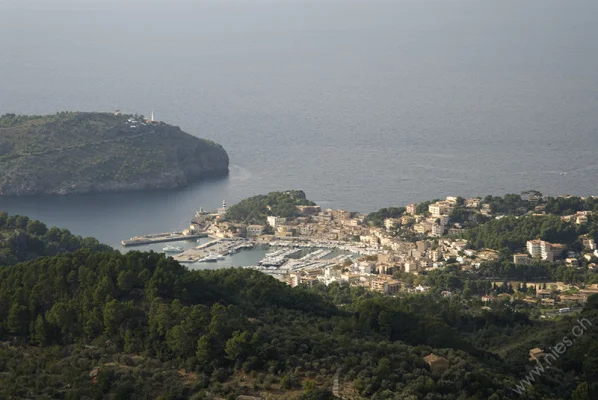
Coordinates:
<point>83,152</point>
<point>256,209</point>
<point>377,218</point>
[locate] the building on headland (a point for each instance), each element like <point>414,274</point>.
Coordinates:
<point>452,199</point>
<point>390,223</point>
<point>309,210</point>
<point>275,222</point>
<point>440,208</point>
<point>254,230</point>
<point>411,209</point>
<point>222,210</point>
<point>284,231</point>
<point>322,217</point>
<point>341,215</point>
<point>473,202</point>
<point>437,230</point>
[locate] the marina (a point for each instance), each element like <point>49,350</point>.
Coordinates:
<point>214,250</point>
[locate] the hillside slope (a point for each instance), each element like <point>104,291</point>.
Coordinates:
<point>77,152</point>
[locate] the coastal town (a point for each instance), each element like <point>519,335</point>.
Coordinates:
<point>395,254</point>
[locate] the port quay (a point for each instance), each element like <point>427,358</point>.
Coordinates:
<point>161,238</point>
<point>285,258</point>
<point>290,253</point>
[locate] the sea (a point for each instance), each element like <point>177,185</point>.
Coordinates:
<point>362,104</point>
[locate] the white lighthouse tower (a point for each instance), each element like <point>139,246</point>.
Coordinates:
<point>222,210</point>
<point>152,119</point>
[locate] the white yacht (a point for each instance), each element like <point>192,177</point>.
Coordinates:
<point>210,258</point>
<point>173,249</point>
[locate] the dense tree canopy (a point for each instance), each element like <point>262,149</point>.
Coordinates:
<point>377,218</point>
<point>255,209</point>
<point>512,233</point>
<point>22,239</point>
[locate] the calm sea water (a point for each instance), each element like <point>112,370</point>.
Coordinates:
<point>362,104</point>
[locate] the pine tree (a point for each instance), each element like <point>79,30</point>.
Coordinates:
<point>38,333</point>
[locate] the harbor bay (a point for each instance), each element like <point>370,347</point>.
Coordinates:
<point>352,110</point>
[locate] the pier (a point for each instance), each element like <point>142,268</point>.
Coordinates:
<point>161,238</point>
<point>220,247</point>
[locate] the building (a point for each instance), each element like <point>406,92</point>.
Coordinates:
<point>451,199</point>
<point>473,202</point>
<point>323,217</point>
<point>423,227</point>
<point>456,231</point>
<point>440,208</point>
<point>309,210</point>
<point>437,230</point>
<point>544,250</point>
<point>390,223</point>
<point>437,364</point>
<point>521,259</point>
<point>443,219</point>
<point>411,266</point>
<point>534,248</point>
<point>340,215</point>
<point>411,209</point>
<point>581,220</point>
<point>386,286</point>
<point>572,262</point>
<point>423,245</point>
<point>222,210</point>
<point>553,251</point>
<point>308,229</point>
<point>275,222</point>
<point>589,244</point>
<point>255,230</point>
<point>284,231</point>
<point>536,354</point>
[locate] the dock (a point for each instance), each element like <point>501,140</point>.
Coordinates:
<point>161,238</point>
<point>217,246</point>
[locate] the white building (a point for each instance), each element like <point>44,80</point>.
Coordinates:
<point>544,250</point>
<point>534,248</point>
<point>440,208</point>
<point>276,221</point>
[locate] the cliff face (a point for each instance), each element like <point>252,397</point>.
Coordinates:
<point>73,153</point>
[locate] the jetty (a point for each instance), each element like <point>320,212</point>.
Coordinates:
<point>161,238</point>
<point>217,247</point>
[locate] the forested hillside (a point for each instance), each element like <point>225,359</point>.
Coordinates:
<point>88,324</point>
<point>23,239</point>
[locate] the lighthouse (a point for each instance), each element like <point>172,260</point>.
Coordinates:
<point>152,119</point>
<point>222,210</point>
